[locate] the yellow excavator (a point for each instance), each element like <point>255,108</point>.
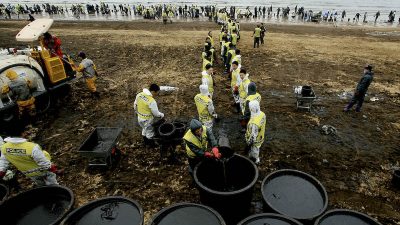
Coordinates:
<point>46,74</point>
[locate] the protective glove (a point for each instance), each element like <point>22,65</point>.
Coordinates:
<point>161,115</point>
<point>2,174</point>
<point>53,168</point>
<point>208,155</point>
<point>215,115</point>
<point>216,153</point>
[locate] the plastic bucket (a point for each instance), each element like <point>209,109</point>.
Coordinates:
<point>294,194</point>
<point>40,206</point>
<point>3,193</point>
<point>344,216</point>
<point>166,130</point>
<point>396,178</point>
<point>227,187</point>
<point>270,219</point>
<point>187,214</point>
<point>114,210</point>
<point>180,129</point>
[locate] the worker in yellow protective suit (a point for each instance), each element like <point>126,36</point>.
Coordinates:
<point>243,87</point>
<point>19,88</point>
<point>200,144</point>
<point>205,107</point>
<point>88,69</point>
<point>29,159</point>
<point>255,133</point>
<point>147,110</point>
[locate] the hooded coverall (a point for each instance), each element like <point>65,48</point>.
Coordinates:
<point>206,79</point>
<point>146,108</point>
<point>243,91</point>
<point>255,131</point>
<point>205,107</point>
<point>88,69</point>
<point>196,146</point>
<point>28,158</point>
<point>235,83</point>
<point>19,87</point>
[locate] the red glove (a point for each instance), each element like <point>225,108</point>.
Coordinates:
<point>2,174</point>
<point>53,168</point>
<point>216,153</point>
<point>208,155</point>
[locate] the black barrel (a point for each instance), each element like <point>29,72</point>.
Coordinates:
<point>40,206</point>
<point>269,219</point>
<point>187,214</point>
<point>294,194</point>
<point>227,186</point>
<point>180,129</point>
<point>3,193</point>
<point>166,130</point>
<point>344,216</point>
<point>114,210</point>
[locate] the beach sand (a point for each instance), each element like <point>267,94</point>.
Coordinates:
<point>354,165</point>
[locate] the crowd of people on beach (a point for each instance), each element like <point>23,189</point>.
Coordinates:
<point>299,13</point>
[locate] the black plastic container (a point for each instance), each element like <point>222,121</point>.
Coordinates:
<point>3,193</point>
<point>294,194</point>
<point>114,210</point>
<point>269,219</point>
<point>100,142</point>
<point>180,129</point>
<point>229,191</point>
<point>187,214</point>
<point>344,216</point>
<point>166,130</point>
<point>39,206</point>
<point>396,178</point>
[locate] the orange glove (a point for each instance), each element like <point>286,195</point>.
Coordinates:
<point>208,155</point>
<point>216,153</point>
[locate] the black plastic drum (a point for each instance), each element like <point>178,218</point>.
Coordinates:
<point>107,211</point>
<point>269,219</point>
<point>187,214</point>
<point>39,206</point>
<point>294,194</point>
<point>344,216</point>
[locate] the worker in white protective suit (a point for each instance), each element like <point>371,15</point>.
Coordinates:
<point>28,158</point>
<point>206,79</point>
<point>205,107</point>
<point>146,109</point>
<point>255,133</point>
<point>243,85</point>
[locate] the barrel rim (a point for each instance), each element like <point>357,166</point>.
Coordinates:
<point>104,199</point>
<point>272,215</point>
<point>347,211</point>
<point>6,195</point>
<point>227,193</point>
<point>181,205</point>
<point>314,180</point>
<point>69,191</point>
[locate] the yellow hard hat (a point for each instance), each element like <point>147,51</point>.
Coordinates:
<point>11,74</point>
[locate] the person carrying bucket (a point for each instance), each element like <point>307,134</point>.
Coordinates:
<point>28,158</point>
<point>198,141</point>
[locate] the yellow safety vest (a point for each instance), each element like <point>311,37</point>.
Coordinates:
<point>201,143</point>
<point>205,62</point>
<point>257,32</point>
<point>256,97</point>
<point>226,44</point>
<point>234,39</point>
<point>210,82</point>
<point>212,41</point>
<point>242,91</point>
<point>233,53</point>
<point>143,108</point>
<point>237,59</point>
<point>202,107</point>
<point>220,36</point>
<point>260,122</point>
<point>20,155</point>
<point>235,74</point>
